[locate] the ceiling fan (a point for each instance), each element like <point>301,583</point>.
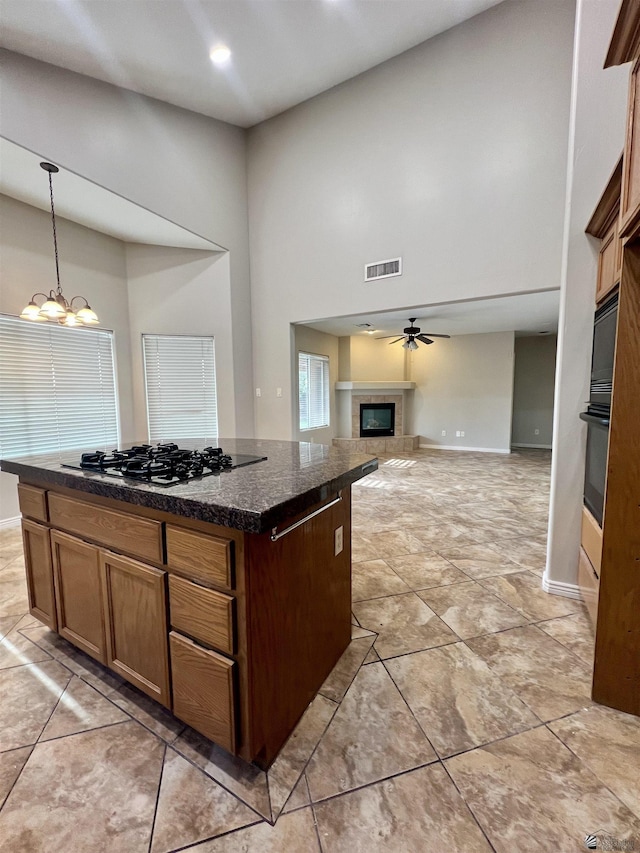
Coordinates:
<point>411,335</point>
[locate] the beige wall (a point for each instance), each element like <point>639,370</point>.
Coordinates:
<point>464,384</point>
<point>452,155</point>
<point>317,343</point>
<point>186,167</point>
<point>91,265</point>
<point>597,137</point>
<point>364,359</point>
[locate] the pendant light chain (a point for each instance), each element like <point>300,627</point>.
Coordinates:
<point>55,239</point>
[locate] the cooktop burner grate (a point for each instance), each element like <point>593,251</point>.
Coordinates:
<point>162,464</point>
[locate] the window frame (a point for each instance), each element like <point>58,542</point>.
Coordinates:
<point>326,371</point>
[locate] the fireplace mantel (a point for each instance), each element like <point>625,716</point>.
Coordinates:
<point>375,386</point>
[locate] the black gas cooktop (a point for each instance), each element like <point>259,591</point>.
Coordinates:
<point>162,464</point>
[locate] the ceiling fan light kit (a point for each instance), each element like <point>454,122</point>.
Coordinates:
<point>56,308</point>
<point>411,334</point>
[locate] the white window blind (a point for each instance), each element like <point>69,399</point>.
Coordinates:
<point>180,378</point>
<point>313,378</point>
<point>57,388</point>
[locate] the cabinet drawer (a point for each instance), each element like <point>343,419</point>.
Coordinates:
<point>589,586</point>
<point>202,613</point>
<point>141,537</point>
<point>203,690</point>
<point>33,502</point>
<point>204,558</point>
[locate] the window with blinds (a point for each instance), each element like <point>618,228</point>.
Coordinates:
<point>313,397</point>
<point>57,388</point>
<point>180,379</point>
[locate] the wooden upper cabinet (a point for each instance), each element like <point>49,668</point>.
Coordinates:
<point>135,604</point>
<point>39,570</point>
<point>630,212</point>
<point>79,594</point>
<point>604,225</point>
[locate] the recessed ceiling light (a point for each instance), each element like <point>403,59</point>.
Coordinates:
<point>220,54</point>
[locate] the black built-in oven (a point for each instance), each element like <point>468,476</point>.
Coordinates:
<point>599,407</point>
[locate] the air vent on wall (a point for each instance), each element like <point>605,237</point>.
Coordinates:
<point>383,269</point>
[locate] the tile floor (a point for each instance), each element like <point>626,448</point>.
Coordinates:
<point>458,719</point>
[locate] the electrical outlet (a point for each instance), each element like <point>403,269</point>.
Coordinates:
<point>338,541</point>
<point>444,432</point>
<point>258,392</point>
<point>462,434</point>
<point>278,392</point>
<point>457,433</point>
<point>536,432</point>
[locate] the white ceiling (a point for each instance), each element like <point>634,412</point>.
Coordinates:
<point>526,314</point>
<point>93,206</point>
<point>283,51</point>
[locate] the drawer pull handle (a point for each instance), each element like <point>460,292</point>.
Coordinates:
<point>274,533</point>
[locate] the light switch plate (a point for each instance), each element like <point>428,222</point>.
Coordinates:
<point>338,541</point>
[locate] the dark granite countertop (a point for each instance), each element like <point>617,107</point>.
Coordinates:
<point>256,498</point>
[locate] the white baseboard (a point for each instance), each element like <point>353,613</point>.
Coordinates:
<point>566,590</point>
<point>468,449</point>
<point>534,446</point>
<point>9,522</point>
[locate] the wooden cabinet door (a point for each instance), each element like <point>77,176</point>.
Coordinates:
<point>631,170</point>
<point>607,261</point>
<point>135,604</point>
<point>203,690</point>
<point>37,561</point>
<point>79,594</point>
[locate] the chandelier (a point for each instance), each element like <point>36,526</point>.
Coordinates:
<point>55,307</point>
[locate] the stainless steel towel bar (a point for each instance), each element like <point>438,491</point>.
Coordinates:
<point>274,532</point>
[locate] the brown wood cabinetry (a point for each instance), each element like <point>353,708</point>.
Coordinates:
<point>33,502</point>
<point>630,214</point>
<point>203,690</point>
<point>135,609</point>
<point>234,632</point>
<point>79,594</point>
<point>604,225</point>
<point>39,569</point>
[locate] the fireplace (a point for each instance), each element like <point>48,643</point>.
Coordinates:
<point>377,419</point>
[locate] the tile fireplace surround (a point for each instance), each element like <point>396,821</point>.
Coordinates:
<point>367,392</point>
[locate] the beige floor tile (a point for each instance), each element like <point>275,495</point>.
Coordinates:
<point>457,700</point>
<point>423,571</point>
<point>530,792</point>
<point>142,708</point>
<point>16,650</point>
<point>293,833</point>
<point>374,546</point>
<point>29,695</point>
<point>11,764</point>
<point>608,743</point>
<point>10,545</point>
<point>13,571</point>
<point>7,623</point>
<point>470,610</point>
<point>530,553</point>
<point>246,781</point>
<point>441,535</point>
<point>479,561</point>
<point>343,673</point>
<point>372,657</point>
<point>524,593</point>
<point>545,675</point>
<point>404,624</point>
<point>374,579</point>
<point>93,791</point>
<point>299,797</point>
<point>411,813</point>
<point>373,735</point>
<point>13,597</point>
<point>80,709</point>
<point>575,632</point>
<point>285,771</point>
<point>192,807</point>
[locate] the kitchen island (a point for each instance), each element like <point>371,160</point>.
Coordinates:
<point>226,598</point>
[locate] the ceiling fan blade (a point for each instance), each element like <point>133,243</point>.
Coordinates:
<point>396,340</point>
<point>424,339</point>
<point>384,337</point>
<point>434,335</point>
